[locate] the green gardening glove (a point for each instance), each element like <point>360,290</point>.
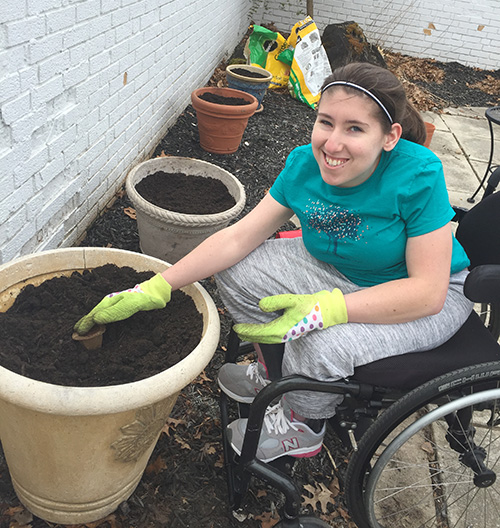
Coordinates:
<point>149,295</point>
<point>301,314</point>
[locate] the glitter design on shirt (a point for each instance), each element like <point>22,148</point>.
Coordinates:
<point>336,222</point>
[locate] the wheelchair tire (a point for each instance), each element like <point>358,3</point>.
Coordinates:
<point>419,489</point>
<point>490,315</point>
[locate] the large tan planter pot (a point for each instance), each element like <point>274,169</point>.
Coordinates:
<point>75,453</point>
<point>170,235</point>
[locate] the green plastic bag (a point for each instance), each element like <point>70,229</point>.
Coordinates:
<point>262,49</point>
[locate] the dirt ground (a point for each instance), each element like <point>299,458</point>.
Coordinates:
<point>184,484</point>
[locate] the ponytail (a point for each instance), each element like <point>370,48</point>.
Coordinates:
<point>413,125</point>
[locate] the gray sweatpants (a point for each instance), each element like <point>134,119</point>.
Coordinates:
<point>285,266</point>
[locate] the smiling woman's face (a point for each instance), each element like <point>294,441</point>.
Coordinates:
<point>347,138</point>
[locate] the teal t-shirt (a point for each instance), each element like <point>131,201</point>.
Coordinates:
<point>363,230</point>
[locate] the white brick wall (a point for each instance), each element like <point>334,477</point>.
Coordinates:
<point>71,127</point>
<point>448,30</point>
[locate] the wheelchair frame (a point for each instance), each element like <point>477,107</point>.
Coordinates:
<point>364,404</point>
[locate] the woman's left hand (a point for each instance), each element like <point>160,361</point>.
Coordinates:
<point>302,314</point>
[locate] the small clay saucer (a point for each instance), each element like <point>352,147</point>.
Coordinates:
<point>92,340</point>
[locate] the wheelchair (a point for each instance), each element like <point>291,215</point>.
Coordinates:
<point>423,428</point>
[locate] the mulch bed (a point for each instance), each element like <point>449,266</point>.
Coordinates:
<point>184,484</point>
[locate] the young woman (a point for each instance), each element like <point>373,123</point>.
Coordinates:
<point>376,273</point>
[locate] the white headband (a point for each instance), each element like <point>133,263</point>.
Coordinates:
<point>364,90</point>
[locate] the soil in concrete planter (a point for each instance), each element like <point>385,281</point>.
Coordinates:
<point>35,333</point>
<point>185,194</point>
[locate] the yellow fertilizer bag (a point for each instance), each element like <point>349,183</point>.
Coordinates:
<point>310,65</point>
<point>262,49</point>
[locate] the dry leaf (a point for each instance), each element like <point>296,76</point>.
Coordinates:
<point>427,447</point>
<point>334,487</point>
<point>320,494</point>
<point>155,467</point>
<point>411,69</point>
<point>202,378</point>
<point>209,448</point>
<point>129,211</point>
<point>21,517</point>
<point>344,514</point>
<point>172,423</point>
<point>181,442</point>
<point>219,463</point>
<point>10,512</point>
<point>197,435</point>
<point>267,519</point>
<point>489,85</point>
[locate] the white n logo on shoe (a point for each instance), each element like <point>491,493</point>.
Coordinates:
<point>290,443</point>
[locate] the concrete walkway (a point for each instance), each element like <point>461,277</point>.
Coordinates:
<point>462,142</point>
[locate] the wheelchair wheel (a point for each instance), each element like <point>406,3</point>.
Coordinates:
<point>490,315</point>
<point>431,459</point>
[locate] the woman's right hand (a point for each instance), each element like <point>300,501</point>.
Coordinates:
<point>149,295</point>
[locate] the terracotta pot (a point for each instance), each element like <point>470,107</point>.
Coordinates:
<point>75,453</point>
<point>257,86</point>
<point>429,128</point>
<point>170,235</point>
<point>221,126</point>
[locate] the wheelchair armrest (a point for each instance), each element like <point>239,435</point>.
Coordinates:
<point>483,284</point>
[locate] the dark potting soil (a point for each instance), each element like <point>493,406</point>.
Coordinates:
<point>36,342</point>
<point>249,73</point>
<point>223,100</point>
<point>185,194</point>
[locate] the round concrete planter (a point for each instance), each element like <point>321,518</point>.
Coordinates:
<point>75,453</point>
<point>221,126</point>
<point>256,86</point>
<point>170,235</point>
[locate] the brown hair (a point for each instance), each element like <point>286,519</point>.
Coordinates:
<point>385,86</point>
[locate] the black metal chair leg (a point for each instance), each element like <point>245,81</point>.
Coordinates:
<point>273,358</point>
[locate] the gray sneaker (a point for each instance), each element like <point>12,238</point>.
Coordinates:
<point>242,382</point>
<point>280,435</point>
